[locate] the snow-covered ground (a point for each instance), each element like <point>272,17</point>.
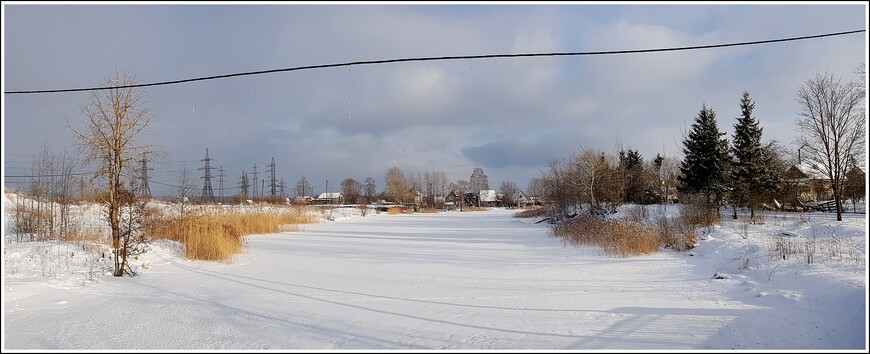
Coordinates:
<point>478,280</point>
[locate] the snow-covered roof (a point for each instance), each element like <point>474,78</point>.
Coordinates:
<point>810,171</point>
<point>488,195</point>
<point>329,196</point>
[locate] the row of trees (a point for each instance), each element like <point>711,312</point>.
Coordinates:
<point>600,182</point>
<point>746,173</point>
<point>740,172</point>
<point>52,187</point>
<point>401,187</point>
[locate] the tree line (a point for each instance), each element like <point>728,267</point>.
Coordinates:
<point>743,172</point>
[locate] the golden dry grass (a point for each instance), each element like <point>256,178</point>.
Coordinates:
<point>621,238</point>
<point>83,236</point>
<point>474,208</point>
<point>429,210</point>
<point>395,210</point>
<point>531,213</point>
<point>218,236</point>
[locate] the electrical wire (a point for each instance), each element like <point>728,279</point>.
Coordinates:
<point>459,57</point>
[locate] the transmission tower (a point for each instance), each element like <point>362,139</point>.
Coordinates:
<point>207,193</point>
<point>243,185</point>
<point>221,184</point>
<point>146,190</point>
<point>254,180</point>
<point>272,181</point>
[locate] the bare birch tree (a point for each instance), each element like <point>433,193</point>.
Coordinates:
<point>184,190</point>
<point>832,128</point>
<point>115,117</point>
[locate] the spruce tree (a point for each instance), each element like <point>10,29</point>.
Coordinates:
<point>631,164</point>
<point>705,166</point>
<point>749,160</point>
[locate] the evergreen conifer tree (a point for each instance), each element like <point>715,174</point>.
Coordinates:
<point>706,163</point>
<point>748,175</point>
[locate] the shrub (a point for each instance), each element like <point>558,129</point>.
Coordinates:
<point>636,213</point>
<point>676,234</point>
<point>696,212</point>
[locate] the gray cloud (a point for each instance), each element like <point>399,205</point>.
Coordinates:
<point>510,116</point>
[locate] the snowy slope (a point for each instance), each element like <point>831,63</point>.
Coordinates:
<point>479,280</point>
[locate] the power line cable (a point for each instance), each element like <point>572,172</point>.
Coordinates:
<point>458,57</point>
<point>57,175</point>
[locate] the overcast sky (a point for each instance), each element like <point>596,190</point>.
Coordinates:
<point>509,116</point>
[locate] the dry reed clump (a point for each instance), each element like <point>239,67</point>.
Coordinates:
<point>697,212</point>
<point>217,236</point>
<point>83,236</point>
<point>395,210</point>
<point>531,213</point>
<point>677,233</point>
<point>622,238</point>
<point>429,210</point>
<point>474,208</point>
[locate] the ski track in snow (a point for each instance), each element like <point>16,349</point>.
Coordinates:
<point>479,280</point>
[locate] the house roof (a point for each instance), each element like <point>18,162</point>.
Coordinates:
<point>809,171</point>
<point>329,196</point>
<point>488,195</point>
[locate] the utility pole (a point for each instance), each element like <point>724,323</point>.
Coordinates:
<point>207,193</point>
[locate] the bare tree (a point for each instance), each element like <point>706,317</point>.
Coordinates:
<point>184,190</point>
<point>415,184</point>
<point>535,187</point>
<point>478,180</point>
<point>461,187</point>
<point>115,118</point>
<point>429,178</point>
<point>63,194</point>
<point>435,183</point>
<point>597,180</point>
<point>370,189</point>
<point>509,189</point>
<point>303,187</point>
<point>397,185</point>
<point>832,127</point>
<point>555,190</point>
<point>352,190</point>
<point>41,210</point>
<point>442,187</point>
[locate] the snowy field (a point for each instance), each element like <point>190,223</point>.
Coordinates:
<point>479,280</point>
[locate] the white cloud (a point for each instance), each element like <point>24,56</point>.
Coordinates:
<point>424,90</point>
